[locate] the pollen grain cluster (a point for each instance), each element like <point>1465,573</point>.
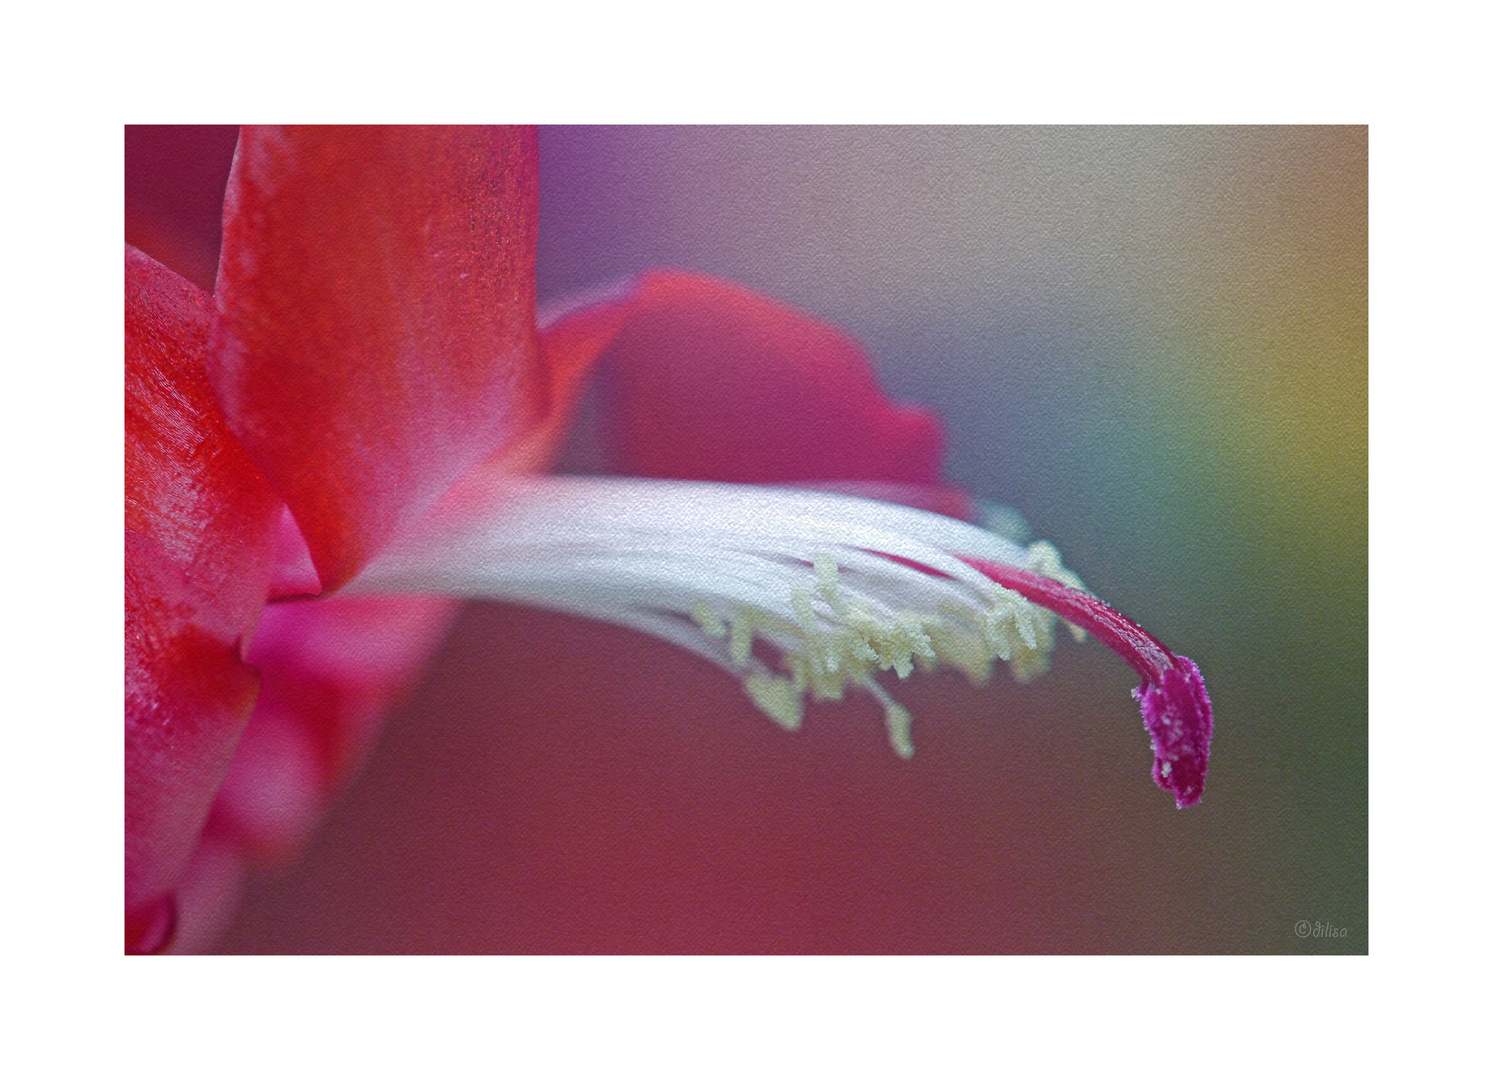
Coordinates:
<point>841,636</point>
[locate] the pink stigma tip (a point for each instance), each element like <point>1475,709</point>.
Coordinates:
<point>1179,717</point>
<point>1173,700</point>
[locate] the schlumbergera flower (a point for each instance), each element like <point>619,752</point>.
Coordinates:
<point>365,407</point>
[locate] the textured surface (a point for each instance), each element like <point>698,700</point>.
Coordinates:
<point>1153,343</point>
<point>374,336</point>
<point>199,528</point>
<point>376,318</point>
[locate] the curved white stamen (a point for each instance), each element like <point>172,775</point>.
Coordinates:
<point>838,587</point>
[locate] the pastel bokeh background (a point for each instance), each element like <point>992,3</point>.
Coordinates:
<point>1153,342</point>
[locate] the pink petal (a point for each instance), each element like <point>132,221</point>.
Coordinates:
<point>199,531</point>
<point>375,332</point>
<point>718,383</point>
<point>331,668</point>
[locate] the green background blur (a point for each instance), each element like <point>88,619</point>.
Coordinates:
<point>1153,343</point>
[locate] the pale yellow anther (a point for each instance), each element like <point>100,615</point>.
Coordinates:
<point>966,652</point>
<point>708,620</point>
<point>826,685</point>
<point>998,629</point>
<point>803,607</point>
<point>777,698</point>
<point>1026,625</point>
<point>912,636</point>
<point>1042,558</point>
<point>828,573</point>
<point>899,729</point>
<point>833,640</point>
<point>1027,664</point>
<point>796,670</point>
<point>741,640</point>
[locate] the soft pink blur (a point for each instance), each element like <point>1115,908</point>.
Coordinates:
<point>561,786</point>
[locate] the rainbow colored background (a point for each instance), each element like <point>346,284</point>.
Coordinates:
<point>1151,341</point>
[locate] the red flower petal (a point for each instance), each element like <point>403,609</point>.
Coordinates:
<point>375,332</point>
<point>717,383</point>
<point>569,347</point>
<point>331,669</point>
<point>199,531</point>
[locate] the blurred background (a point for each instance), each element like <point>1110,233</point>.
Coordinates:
<point>1153,343</point>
